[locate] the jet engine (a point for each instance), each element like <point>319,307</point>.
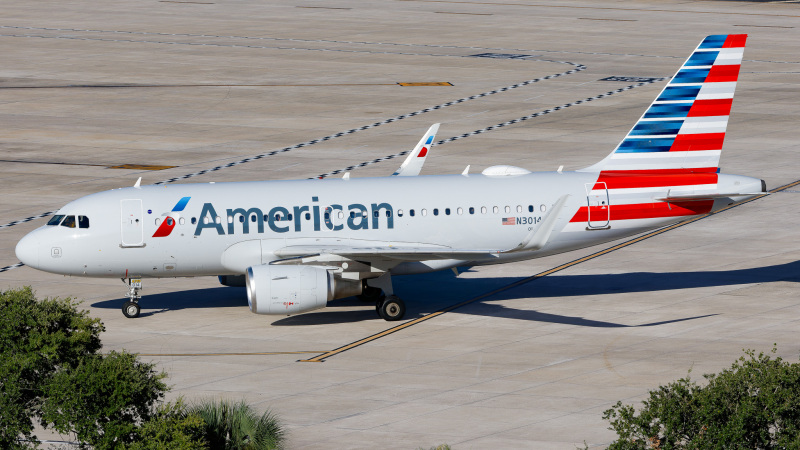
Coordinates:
<point>290,289</point>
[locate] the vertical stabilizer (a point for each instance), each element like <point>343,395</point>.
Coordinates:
<point>683,129</point>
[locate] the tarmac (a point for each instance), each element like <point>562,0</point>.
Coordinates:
<point>93,94</point>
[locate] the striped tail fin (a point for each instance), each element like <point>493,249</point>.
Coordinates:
<point>683,129</point>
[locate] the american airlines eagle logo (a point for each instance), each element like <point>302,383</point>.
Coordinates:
<point>171,218</point>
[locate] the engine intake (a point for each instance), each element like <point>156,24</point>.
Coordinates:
<point>289,289</point>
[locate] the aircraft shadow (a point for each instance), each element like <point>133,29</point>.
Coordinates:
<point>428,293</point>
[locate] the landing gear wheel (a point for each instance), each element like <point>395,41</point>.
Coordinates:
<point>392,308</point>
<point>131,310</point>
<point>370,294</point>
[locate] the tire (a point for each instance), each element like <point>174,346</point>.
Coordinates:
<point>370,294</point>
<point>131,309</point>
<point>392,308</point>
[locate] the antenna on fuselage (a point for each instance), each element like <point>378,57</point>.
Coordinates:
<point>346,176</point>
<point>138,183</point>
<point>466,171</point>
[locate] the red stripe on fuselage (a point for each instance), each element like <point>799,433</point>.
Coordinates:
<point>696,142</point>
<point>646,210</point>
<point>723,73</point>
<point>708,108</point>
<point>626,180</point>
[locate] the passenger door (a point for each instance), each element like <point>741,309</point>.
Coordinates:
<point>132,223</point>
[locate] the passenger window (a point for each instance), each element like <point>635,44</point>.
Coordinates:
<point>158,222</point>
<point>411,212</point>
<point>55,220</point>
<point>399,213</point>
<point>241,218</point>
<point>483,210</point>
<point>68,222</point>
<point>508,209</point>
<point>218,219</point>
<point>289,217</point>
<point>435,211</point>
<point>253,218</point>
<point>460,211</point>
<point>181,221</point>
<point>308,216</point>
<point>230,219</point>
<point>471,210</point>
<point>519,208</point>
<point>341,215</point>
<point>424,212</point>
<point>530,208</point>
<point>376,214</point>
<point>388,213</point>
<point>83,222</point>
<point>352,214</point>
<point>170,221</point>
<point>266,218</point>
<point>194,220</point>
<point>495,209</point>
<point>327,216</point>
<point>447,211</point>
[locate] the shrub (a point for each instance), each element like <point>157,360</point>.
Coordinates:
<point>236,425</point>
<point>753,404</point>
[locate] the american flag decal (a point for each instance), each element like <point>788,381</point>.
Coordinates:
<point>509,220</point>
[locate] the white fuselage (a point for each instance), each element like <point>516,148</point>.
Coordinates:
<point>487,213</point>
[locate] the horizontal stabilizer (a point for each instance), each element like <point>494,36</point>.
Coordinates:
<point>699,197</point>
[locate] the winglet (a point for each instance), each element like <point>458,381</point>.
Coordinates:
<point>413,163</point>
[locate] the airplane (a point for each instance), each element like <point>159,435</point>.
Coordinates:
<point>298,244</point>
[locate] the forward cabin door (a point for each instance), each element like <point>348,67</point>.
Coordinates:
<point>132,223</point>
<point>599,211</point>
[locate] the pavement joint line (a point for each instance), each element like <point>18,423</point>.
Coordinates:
<point>539,5</point>
<point>331,41</point>
<point>322,357</point>
<point>489,128</point>
<point>231,354</point>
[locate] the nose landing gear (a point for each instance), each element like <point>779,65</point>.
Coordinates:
<point>131,308</point>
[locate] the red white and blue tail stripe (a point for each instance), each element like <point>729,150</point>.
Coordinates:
<point>666,168</point>
<point>683,129</point>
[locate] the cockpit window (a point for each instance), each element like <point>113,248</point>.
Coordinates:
<point>83,222</point>
<point>55,220</point>
<point>68,222</point>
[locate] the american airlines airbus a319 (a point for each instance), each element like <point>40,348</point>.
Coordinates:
<point>298,244</point>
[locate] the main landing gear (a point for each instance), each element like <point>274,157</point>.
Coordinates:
<point>130,308</point>
<point>389,307</point>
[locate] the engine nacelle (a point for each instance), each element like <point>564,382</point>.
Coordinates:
<point>290,289</point>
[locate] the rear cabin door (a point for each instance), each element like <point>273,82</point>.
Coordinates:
<point>132,223</point>
<point>599,211</point>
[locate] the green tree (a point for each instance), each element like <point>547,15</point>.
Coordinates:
<point>103,398</point>
<point>37,338</point>
<point>753,404</point>
<point>236,426</point>
<point>170,428</point>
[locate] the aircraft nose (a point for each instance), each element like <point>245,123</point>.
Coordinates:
<point>28,250</point>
